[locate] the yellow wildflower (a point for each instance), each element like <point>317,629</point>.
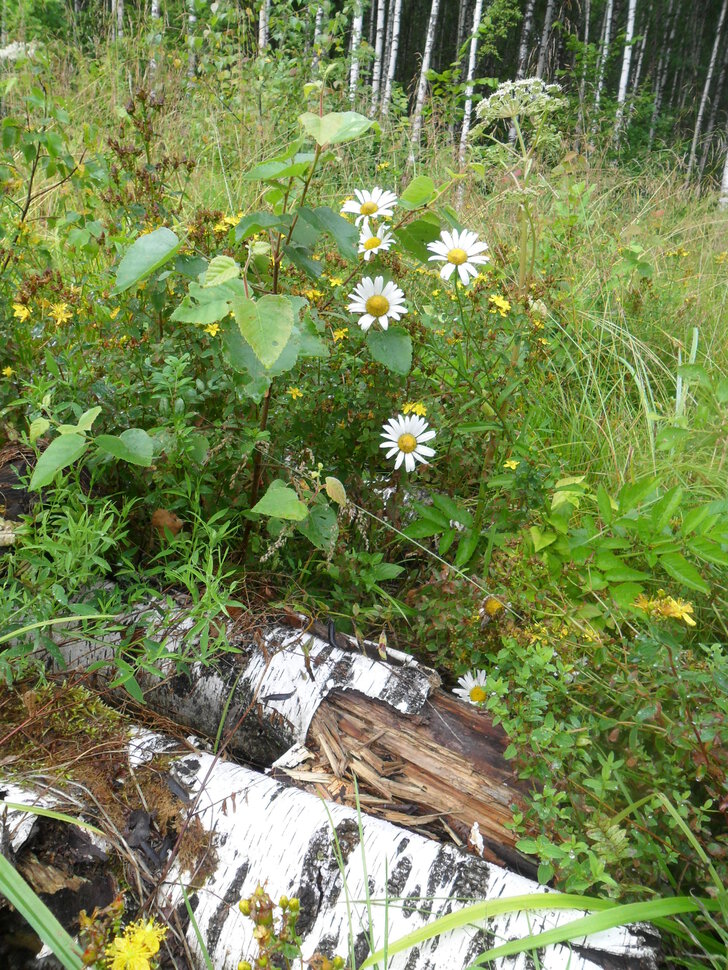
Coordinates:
<point>177,63</point>
<point>147,935</point>
<point>722,257</point>
<point>492,606</point>
<point>677,609</point>
<point>221,226</point>
<point>233,220</point>
<point>382,165</point>
<point>113,314</point>
<point>295,393</point>
<point>498,304</point>
<point>8,371</point>
<point>415,407</point>
<point>123,339</point>
<point>336,280</point>
<point>511,464</point>
<point>340,334</point>
<point>313,294</point>
<point>21,311</point>
<point>124,954</point>
<point>212,329</point>
<point>436,292</point>
<point>61,313</point>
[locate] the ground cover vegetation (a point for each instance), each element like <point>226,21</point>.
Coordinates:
<point>268,353</point>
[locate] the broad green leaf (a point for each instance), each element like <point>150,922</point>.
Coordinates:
<point>415,236</point>
<point>335,491</point>
<point>276,169</point>
<point>665,508</point>
<point>708,550</point>
<point>87,419</point>
<point>466,548</point>
<point>302,259</point>
<point>695,374</point>
<point>38,427</point>
<point>632,494</point>
<point>320,525</point>
<point>335,127</point>
<point>281,502</point>
<point>266,325</point>
<point>345,235</point>
<point>201,313</point>
<point>220,270</point>
<point>60,453</point>
<point>392,347</point>
<point>258,222</point>
<point>677,566</point>
<point>694,518</point>
<point>133,445</point>
<point>541,539</point>
<point>146,255</point>
<point>624,594</point>
<point>452,510</point>
<point>418,193</point>
<point>668,438</point>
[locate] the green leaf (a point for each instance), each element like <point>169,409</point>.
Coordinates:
<point>335,127</point>
<point>392,347</point>
<point>133,445</point>
<point>693,518</point>
<point>281,502</point>
<point>624,594</point>
<point>336,491</point>
<point>87,419</point>
<point>60,453</point>
<point>677,566</point>
<point>276,169</point>
<point>695,374</point>
<point>668,438</point>
<point>220,270</point>
<point>418,193</point>
<point>302,259</point>
<point>345,235</point>
<point>665,508</point>
<point>38,427</point>
<point>541,539</point>
<point>708,550</point>
<point>414,237</point>
<point>201,313</point>
<point>466,548</point>
<point>146,255</point>
<point>631,495</point>
<point>266,325</point>
<point>320,526</point>
<point>257,222</point>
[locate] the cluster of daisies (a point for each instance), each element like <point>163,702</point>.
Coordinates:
<point>378,302</point>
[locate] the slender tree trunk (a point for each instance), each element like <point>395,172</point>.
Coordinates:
<point>263,22</point>
<point>472,58</point>
<point>723,200</point>
<point>462,22</point>
<point>663,66</point>
<point>713,112</point>
<point>356,32</point>
<point>626,63</point>
<point>191,22</point>
<point>545,38</point>
<point>706,90</point>
<point>372,22</point>
<point>416,132</point>
<point>604,54</point>
<point>154,15</point>
<point>378,55</point>
<point>526,29</point>
<point>318,22</point>
<point>582,83</point>
<point>396,20</point>
<point>117,18</point>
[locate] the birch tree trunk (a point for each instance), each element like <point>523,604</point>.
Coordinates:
<point>626,63</point>
<point>468,113</point>
<point>603,55</point>
<point>317,24</point>
<point>723,200</point>
<point>663,66</point>
<point>356,32</point>
<point>526,29</point>
<point>191,22</point>
<point>706,90</point>
<point>348,870</point>
<point>416,131</point>
<point>154,15</point>
<point>582,83</point>
<point>117,18</point>
<point>713,112</point>
<point>462,21</point>
<point>378,56</point>
<point>263,25</point>
<point>545,38</point>
<point>396,22</point>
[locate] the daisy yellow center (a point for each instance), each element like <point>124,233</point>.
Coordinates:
<point>368,208</point>
<point>377,305</point>
<point>372,243</point>
<point>477,695</point>
<point>407,443</point>
<point>457,256</point>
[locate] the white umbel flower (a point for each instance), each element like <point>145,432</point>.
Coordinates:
<point>458,250</point>
<point>372,240</point>
<point>404,437</point>
<point>472,687</point>
<point>377,302</point>
<point>377,204</point>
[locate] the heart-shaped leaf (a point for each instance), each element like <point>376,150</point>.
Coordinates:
<point>266,324</point>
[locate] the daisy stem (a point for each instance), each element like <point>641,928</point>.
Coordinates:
<point>463,324</point>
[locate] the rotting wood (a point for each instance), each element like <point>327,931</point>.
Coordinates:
<point>283,839</point>
<point>421,753</point>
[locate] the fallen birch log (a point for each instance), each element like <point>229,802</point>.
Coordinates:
<point>284,839</point>
<point>417,752</point>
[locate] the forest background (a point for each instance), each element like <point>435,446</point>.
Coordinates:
<point>567,546</point>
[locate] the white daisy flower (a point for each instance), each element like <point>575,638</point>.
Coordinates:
<point>377,302</point>
<point>378,203</point>
<point>472,687</point>
<point>404,437</point>
<point>371,240</point>
<point>458,250</point>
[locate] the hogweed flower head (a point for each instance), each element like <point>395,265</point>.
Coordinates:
<point>527,97</point>
<point>405,437</point>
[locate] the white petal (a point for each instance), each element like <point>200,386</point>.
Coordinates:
<point>398,462</point>
<point>409,462</point>
<point>447,270</point>
<point>424,450</point>
<point>366,321</point>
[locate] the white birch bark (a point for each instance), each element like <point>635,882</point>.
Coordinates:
<point>545,38</point>
<point>526,29</point>
<point>626,64</point>
<point>318,22</point>
<point>706,90</point>
<point>468,113</point>
<point>723,200</point>
<point>396,19</point>
<point>263,22</point>
<point>416,131</point>
<point>662,69</point>
<point>604,53</point>
<point>155,15</point>
<point>265,833</point>
<point>713,113</point>
<point>356,32</point>
<point>191,22</point>
<point>117,17</point>
<point>378,55</point>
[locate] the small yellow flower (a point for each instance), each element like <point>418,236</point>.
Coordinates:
<point>313,294</point>
<point>678,610</point>
<point>340,334</point>
<point>8,371</point>
<point>147,935</point>
<point>722,257</point>
<point>382,166</point>
<point>212,329</point>
<point>221,226</point>
<point>113,314</point>
<point>511,464</point>
<point>498,304</point>
<point>123,339</point>
<point>295,393</point>
<point>415,407</point>
<point>436,292</point>
<point>233,220</point>
<point>21,311</point>
<point>124,954</point>
<point>336,281</point>
<point>61,313</point>
<point>177,63</point>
